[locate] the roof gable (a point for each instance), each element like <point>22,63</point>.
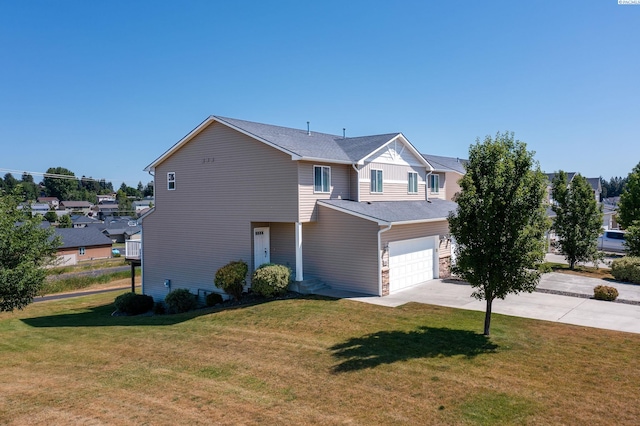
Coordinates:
<point>398,150</point>
<point>446,164</point>
<point>301,144</point>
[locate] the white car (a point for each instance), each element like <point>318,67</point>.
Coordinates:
<point>611,240</point>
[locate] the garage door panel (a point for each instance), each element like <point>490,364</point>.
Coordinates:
<point>410,262</point>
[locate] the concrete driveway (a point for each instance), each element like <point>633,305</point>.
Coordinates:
<point>545,304</point>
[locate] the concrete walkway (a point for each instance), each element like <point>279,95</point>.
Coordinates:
<point>578,309</point>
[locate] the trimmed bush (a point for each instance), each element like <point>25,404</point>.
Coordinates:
<point>133,303</point>
<point>213,299</point>
<point>180,300</point>
<point>604,292</point>
<point>231,278</point>
<point>626,269</point>
<point>158,309</point>
<point>270,280</point>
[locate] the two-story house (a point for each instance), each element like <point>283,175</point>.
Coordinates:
<point>353,212</point>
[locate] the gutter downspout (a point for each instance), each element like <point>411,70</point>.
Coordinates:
<point>355,167</point>
<point>380,258</point>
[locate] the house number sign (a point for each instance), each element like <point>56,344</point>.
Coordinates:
<point>207,160</point>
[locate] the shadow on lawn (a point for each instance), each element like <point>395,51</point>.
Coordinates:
<point>386,347</point>
<point>100,316</point>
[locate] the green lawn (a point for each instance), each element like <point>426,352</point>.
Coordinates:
<point>309,361</point>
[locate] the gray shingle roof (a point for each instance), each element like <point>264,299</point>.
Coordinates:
<point>446,163</point>
<point>395,211</point>
<point>315,145</point>
<point>82,237</point>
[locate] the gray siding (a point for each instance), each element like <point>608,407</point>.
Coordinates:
<point>341,250</point>
<point>225,181</point>
<point>395,180</point>
<point>339,187</point>
<point>283,244</point>
<point>417,230</point>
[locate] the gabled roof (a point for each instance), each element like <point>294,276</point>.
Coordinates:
<point>445,164</point>
<point>76,204</point>
<point>594,182</point>
<point>394,212</point>
<point>300,144</point>
<point>551,176</point>
<point>82,237</point>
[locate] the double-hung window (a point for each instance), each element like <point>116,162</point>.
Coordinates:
<point>434,184</point>
<point>413,183</point>
<point>376,181</point>
<point>321,179</point>
<point>171,181</point>
<point>81,251</point>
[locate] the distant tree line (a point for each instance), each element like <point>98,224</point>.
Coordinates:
<point>614,187</point>
<point>63,184</point>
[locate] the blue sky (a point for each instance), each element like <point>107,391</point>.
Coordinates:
<point>104,88</point>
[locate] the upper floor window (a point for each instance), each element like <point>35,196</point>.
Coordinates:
<point>434,183</point>
<point>413,183</point>
<point>322,179</point>
<point>171,181</point>
<point>376,181</point>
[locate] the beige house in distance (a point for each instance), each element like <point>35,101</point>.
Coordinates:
<point>353,213</point>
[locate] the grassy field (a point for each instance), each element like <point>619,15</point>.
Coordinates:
<point>309,361</point>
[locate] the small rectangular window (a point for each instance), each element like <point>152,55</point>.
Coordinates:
<point>376,181</point>
<point>434,184</point>
<point>171,181</point>
<point>322,179</point>
<point>413,183</point>
<point>81,250</point>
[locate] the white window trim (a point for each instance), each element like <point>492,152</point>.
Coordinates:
<point>170,181</point>
<point>437,187</point>
<point>321,174</point>
<point>409,191</point>
<point>381,181</point>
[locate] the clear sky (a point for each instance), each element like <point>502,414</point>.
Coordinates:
<point>105,87</point>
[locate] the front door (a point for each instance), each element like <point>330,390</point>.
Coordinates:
<point>261,250</point>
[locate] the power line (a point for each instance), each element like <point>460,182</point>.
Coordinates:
<point>53,175</point>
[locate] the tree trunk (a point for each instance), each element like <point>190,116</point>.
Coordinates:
<point>487,317</point>
<point>572,264</point>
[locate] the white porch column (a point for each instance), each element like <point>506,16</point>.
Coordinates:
<point>299,276</point>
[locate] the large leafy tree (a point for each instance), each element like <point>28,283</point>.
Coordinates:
<point>25,248</point>
<point>629,206</point>
<point>578,220</point>
<point>58,185</point>
<point>500,221</point>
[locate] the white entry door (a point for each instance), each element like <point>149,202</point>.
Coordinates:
<point>261,249</point>
<point>411,262</point>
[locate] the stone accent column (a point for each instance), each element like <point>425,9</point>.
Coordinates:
<point>385,281</point>
<point>444,270</point>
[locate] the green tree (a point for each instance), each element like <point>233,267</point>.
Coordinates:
<point>124,203</point>
<point>500,221</point>
<point>57,185</point>
<point>629,206</point>
<point>148,190</point>
<point>29,187</point>
<point>632,239</point>
<point>51,216</point>
<point>578,220</point>
<point>25,248</point>
<point>65,221</point>
<point>10,182</point>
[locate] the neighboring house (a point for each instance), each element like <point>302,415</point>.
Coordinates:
<point>141,205</point>
<point>39,208</point>
<point>106,208</point>
<point>443,180</point>
<point>106,198</point>
<point>53,202</point>
<point>353,213</point>
<point>81,221</point>
<point>121,229</point>
<point>80,244</point>
<point>77,207</point>
<point>595,183</point>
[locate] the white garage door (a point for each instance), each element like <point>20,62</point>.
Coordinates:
<point>410,262</point>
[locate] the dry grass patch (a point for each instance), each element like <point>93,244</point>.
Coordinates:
<point>309,361</point>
